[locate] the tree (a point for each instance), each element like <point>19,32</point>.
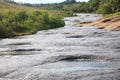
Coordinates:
<point>104,9</point>
<point>9,1</point>
<point>115,5</point>
<point>22,16</point>
<point>109,6</point>
<point>1,18</point>
<point>93,5</point>
<point>69,2</point>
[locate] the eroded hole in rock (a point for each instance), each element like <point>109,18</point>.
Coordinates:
<point>76,62</point>
<point>18,50</point>
<point>100,27</point>
<point>18,53</point>
<point>98,34</point>
<point>66,33</point>
<point>106,20</point>
<point>20,44</point>
<point>76,36</point>
<point>75,57</point>
<point>9,54</point>
<point>118,47</point>
<point>82,57</point>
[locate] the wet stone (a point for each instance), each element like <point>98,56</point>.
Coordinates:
<point>66,33</point>
<point>76,36</point>
<point>100,27</point>
<point>76,57</point>
<point>72,53</point>
<point>27,50</point>
<point>118,47</point>
<point>20,44</point>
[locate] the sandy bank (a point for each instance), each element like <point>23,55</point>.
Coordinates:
<point>112,24</point>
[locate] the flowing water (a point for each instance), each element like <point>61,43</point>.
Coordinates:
<point>67,53</point>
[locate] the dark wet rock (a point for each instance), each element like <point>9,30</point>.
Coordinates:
<point>76,36</point>
<point>66,33</point>
<point>95,33</point>
<point>118,47</point>
<point>81,57</point>
<point>18,53</point>
<point>20,50</point>
<point>20,44</point>
<point>75,57</point>
<point>54,59</point>
<point>49,33</point>
<point>98,34</point>
<point>100,27</point>
<point>27,50</point>
<point>107,20</point>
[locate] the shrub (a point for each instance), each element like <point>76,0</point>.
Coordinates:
<point>18,23</point>
<point>55,22</point>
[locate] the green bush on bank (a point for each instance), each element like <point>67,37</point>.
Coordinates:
<point>117,14</point>
<point>21,23</point>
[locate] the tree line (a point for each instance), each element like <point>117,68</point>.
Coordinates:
<point>97,6</point>
<point>92,6</point>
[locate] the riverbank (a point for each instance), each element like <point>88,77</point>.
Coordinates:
<point>26,20</point>
<point>111,23</point>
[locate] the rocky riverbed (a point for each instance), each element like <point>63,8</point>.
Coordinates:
<point>67,53</point>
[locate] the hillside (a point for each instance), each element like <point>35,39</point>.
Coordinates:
<point>18,20</point>
<point>13,7</point>
<point>5,7</point>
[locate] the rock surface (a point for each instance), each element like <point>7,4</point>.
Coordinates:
<point>67,53</point>
<point>112,24</point>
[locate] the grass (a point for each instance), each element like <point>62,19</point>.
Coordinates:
<point>85,22</point>
<point>5,7</point>
<point>13,7</point>
<point>117,14</point>
<point>16,20</point>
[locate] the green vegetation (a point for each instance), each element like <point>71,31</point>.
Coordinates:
<point>14,22</point>
<point>117,14</point>
<point>71,6</point>
<point>20,20</point>
<point>20,23</point>
<point>85,22</point>
<point>109,6</point>
<point>92,6</point>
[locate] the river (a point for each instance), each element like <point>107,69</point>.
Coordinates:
<point>67,53</point>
